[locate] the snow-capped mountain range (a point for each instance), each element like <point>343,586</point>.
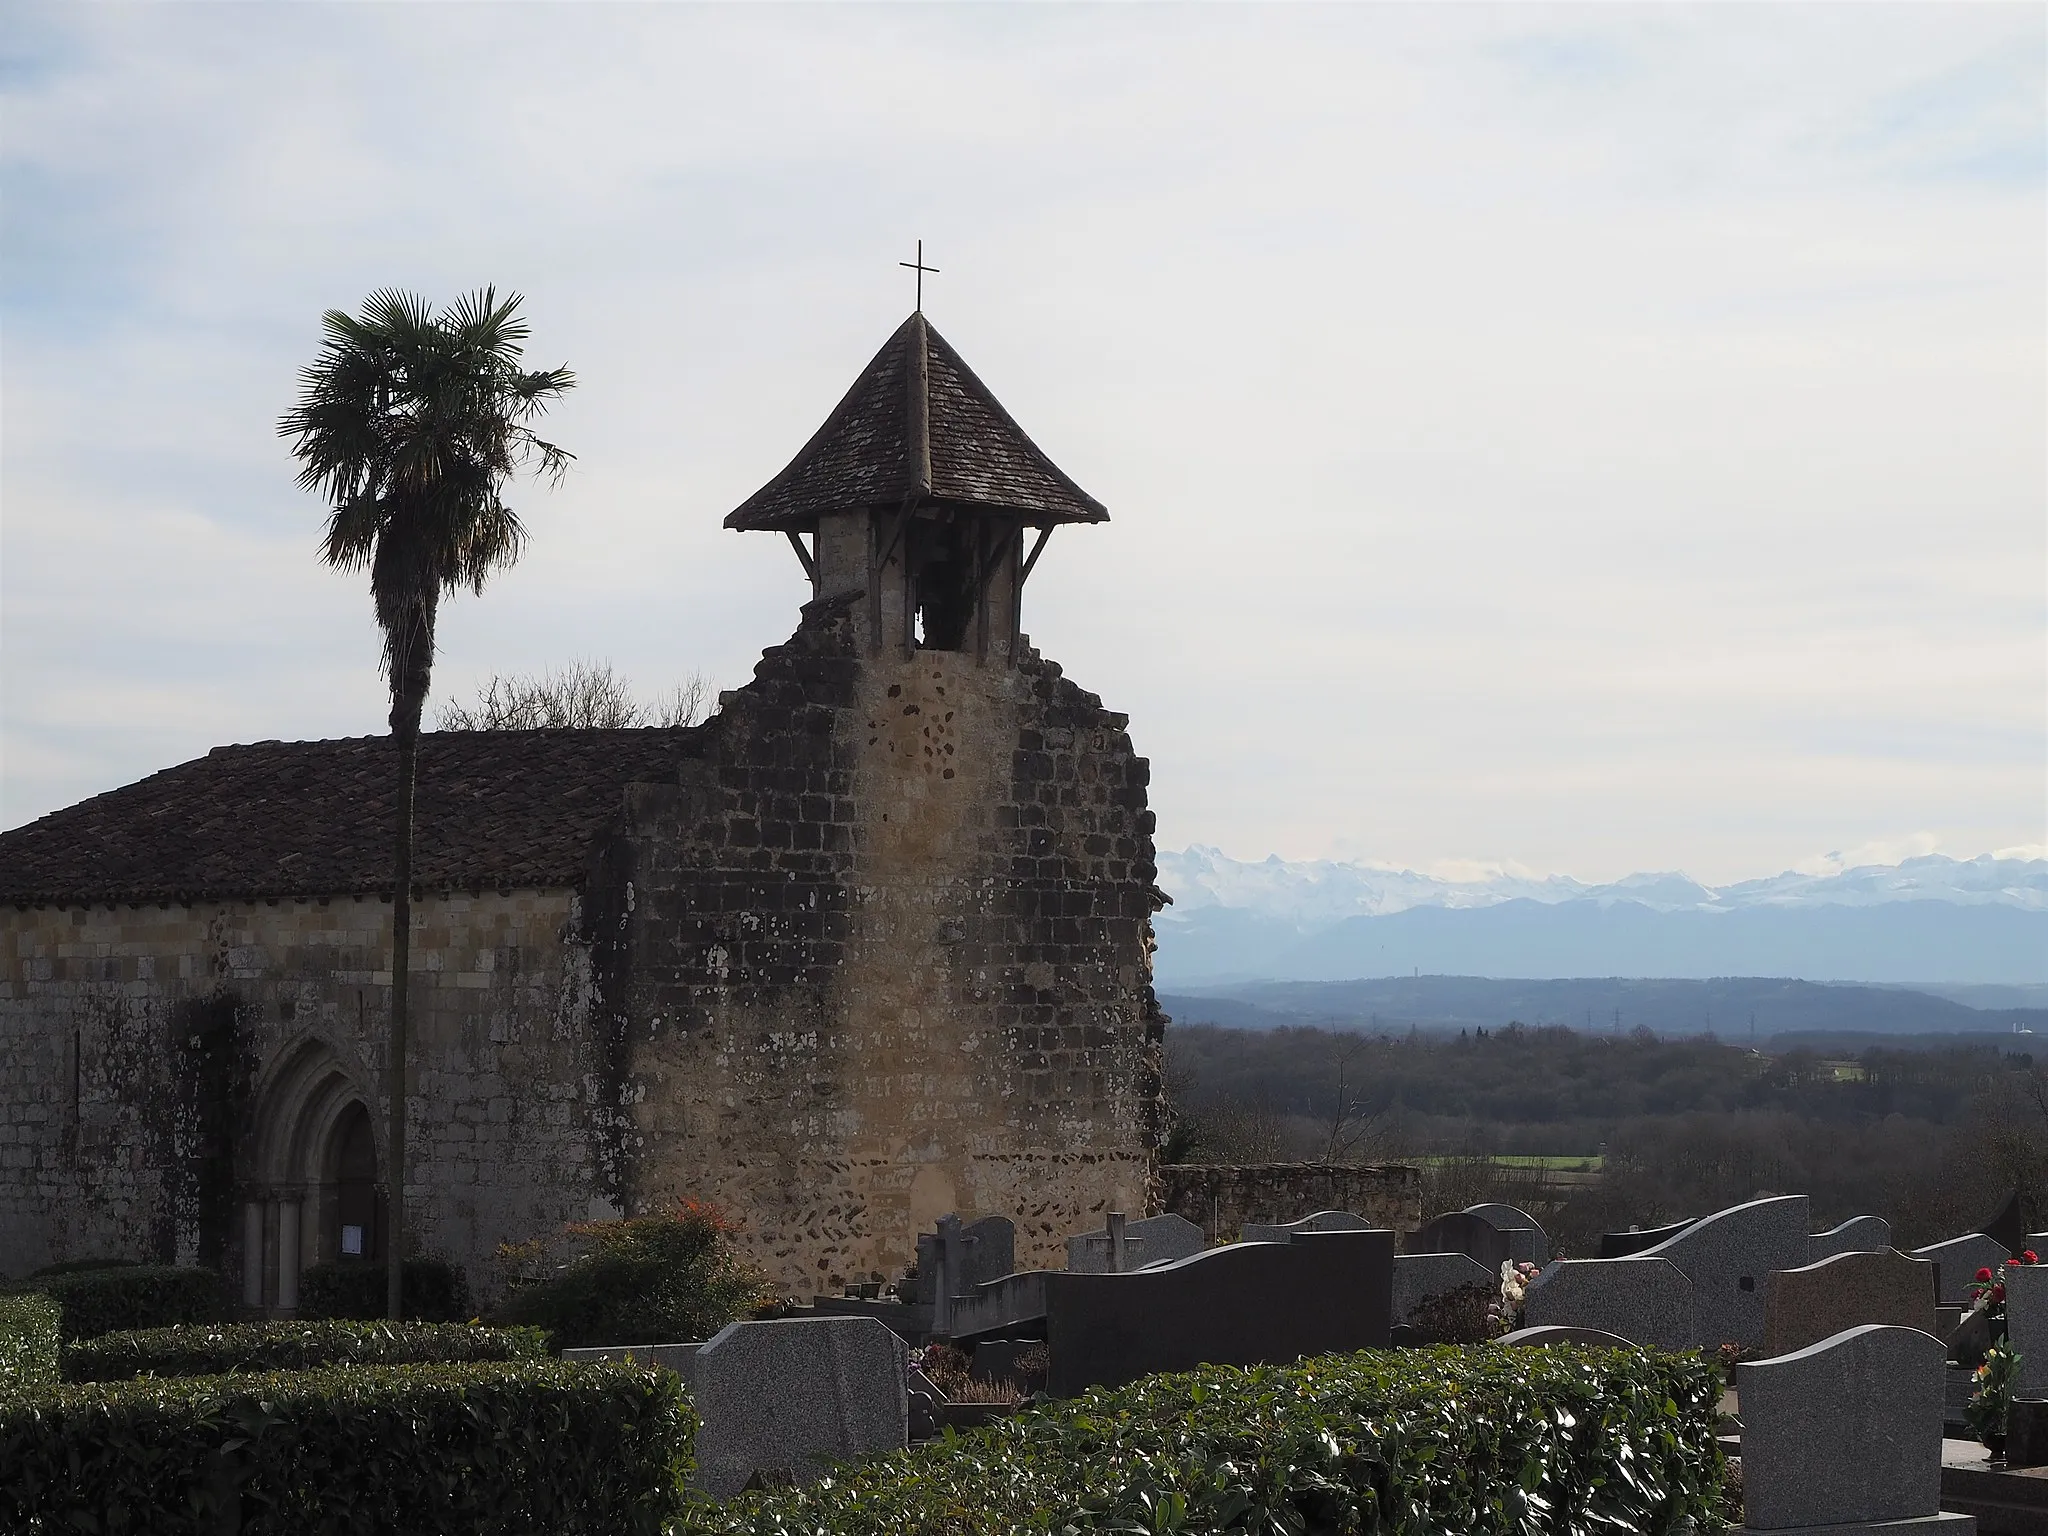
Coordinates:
<point>1316,892</point>
<point>1926,919</point>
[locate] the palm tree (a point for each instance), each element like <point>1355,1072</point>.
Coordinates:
<point>409,424</point>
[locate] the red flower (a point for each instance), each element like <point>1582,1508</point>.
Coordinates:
<point>2030,1257</point>
<point>1983,1274</point>
<point>1998,1291</point>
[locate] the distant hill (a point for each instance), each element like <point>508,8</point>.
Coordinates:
<point>1930,921</point>
<point>1666,1007</point>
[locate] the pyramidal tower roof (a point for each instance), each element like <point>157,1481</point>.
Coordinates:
<point>918,428</point>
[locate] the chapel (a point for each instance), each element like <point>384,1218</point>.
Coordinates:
<point>870,945</point>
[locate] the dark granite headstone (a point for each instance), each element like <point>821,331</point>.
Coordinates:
<point>1243,1304</point>
<point>1462,1232</point>
<point>1315,1221</point>
<point>1959,1259</point>
<point>2008,1228</point>
<point>1619,1245</point>
<point>1528,1243</point>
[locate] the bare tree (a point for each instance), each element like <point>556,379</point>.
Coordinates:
<point>584,695</point>
<point>1357,1135</point>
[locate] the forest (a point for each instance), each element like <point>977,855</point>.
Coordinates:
<point>1593,1133</point>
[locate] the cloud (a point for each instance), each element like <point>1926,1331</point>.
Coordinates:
<point>1588,439</point>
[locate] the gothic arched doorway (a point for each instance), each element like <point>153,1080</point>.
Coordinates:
<point>313,1195</point>
<point>355,1229</point>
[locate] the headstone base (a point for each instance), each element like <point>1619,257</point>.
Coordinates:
<point>1943,1524</point>
<point>2026,1433</point>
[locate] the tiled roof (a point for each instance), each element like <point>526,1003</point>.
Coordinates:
<point>493,809</point>
<point>918,427</point>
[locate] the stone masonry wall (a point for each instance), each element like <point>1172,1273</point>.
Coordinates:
<point>137,1043</point>
<point>1221,1198</point>
<point>884,953</point>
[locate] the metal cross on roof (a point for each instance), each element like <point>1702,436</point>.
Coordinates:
<point>920,269</point>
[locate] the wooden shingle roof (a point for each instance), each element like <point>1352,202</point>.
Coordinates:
<point>494,809</point>
<point>918,428</point>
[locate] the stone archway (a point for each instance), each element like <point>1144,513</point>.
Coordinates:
<point>314,1174</point>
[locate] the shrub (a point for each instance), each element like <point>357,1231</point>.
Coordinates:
<point>28,1341</point>
<point>97,1301</point>
<point>292,1346</point>
<point>523,1446</point>
<point>647,1280</point>
<point>430,1291</point>
<point>1484,1441</point>
<point>82,1266</point>
<point>1457,1316</point>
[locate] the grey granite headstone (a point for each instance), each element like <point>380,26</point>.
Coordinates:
<point>2026,1326</point>
<point>1317,1221</point>
<point>790,1395</point>
<point>1845,1435</point>
<point>1419,1276</point>
<point>1960,1258</point>
<point>1859,1234</point>
<point>1149,1240</point>
<point>1241,1304</point>
<point>1817,1301</point>
<point>1462,1232</point>
<point>670,1357</point>
<point>979,1251</point>
<point>1592,1338</point>
<point>1647,1301</point>
<point>1727,1257</point>
<point>1528,1243</point>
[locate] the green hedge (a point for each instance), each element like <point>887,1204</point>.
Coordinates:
<point>28,1341</point>
<point>98,1301</point>
<point>431,1291</point>
<point>1482,1441</point>
<point>525,1446</point>
<point>292,1346</point>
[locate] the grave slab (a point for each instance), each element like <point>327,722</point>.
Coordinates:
<point>1817,1301</point>
<point>1843,1433</point>
<point>790,1395</point>
<point>1241,1304</point>
<point>1155,1239</point>
<point>1419,1276</point>
<point>1647,1301</point>
<point>1528,1243</point>
<point>1318,1221</point>
<point>1727,1257</point>
<point>2026,1326</point>
<point>1960,1258</point>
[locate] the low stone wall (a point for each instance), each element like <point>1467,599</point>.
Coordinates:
<point>1220,1198</point>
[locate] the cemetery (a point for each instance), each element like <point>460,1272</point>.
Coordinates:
<point>1737,1370</point>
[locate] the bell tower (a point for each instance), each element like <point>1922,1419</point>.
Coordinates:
<point>921,494</point>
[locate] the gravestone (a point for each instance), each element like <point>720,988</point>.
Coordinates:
<point>2008,1228</point>
<point>1462,1232</point>
<point>1320,1221</point>
<point>1419,1276</point>
<point>1817,1301</point>
<point>1528,1243</point>
<point>1727,1257</point>
<point>1859,1234</point>
<point>670,1357</point>
<point>1241,1304</point>
<point>1149,1240</point>
<point>785,1397</point>
<point>1619,1245</point>
<point>1647,1301</point>
<point>2026,1326</point>
<point>1845,1436</point>
<point>1591,1338</point>
<point>1959,1259</point>
<point>959,1258</point>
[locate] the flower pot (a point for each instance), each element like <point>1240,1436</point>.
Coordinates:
<point>1995,1444</point>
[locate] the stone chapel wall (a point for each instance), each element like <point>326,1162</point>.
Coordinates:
<point>138,1045</point>
<point>884,953</point>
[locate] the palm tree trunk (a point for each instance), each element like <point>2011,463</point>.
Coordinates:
<point>401,964</point>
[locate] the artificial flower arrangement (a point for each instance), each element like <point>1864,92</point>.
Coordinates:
<point>1991,1396</point>
<point>1987,1291</point>
<point>1505,1315</point>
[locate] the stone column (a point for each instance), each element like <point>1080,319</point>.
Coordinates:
<point>288,1254</point>
<point>252,1253</point>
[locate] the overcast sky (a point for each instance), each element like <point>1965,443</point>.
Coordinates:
<point>1584,440</point>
